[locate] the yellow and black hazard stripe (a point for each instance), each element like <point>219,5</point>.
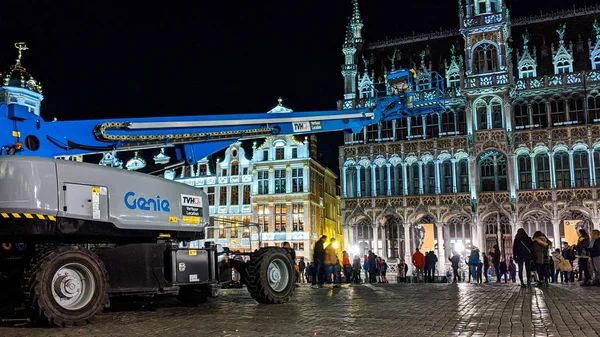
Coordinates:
<point>27,216</point>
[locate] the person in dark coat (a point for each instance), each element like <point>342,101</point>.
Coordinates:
<point>486,266</point>
<point>319,262</point>
<point>496,262</point>
<point>455,260</point>
<point>523,254</point>
<point>504,270</point>
<point>584,257</point>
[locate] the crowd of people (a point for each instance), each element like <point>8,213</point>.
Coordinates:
<point>535,256</point>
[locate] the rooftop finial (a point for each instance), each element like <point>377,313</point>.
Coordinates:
<point>20,46</point>
<point>561,32</point>
<point>597,29</point>
<point>526,40</point>
<point>280,101</point>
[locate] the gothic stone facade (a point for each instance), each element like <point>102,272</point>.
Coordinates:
<point>519,144</point>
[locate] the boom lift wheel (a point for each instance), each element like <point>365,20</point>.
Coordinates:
<point>194,295</point>
<point>66,286</point>
<point>270,276</point>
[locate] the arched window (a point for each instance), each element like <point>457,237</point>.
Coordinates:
<point>594,108</point>
<point>448,125</point>
<point>485,58</point>
<point>429,177</point>
<point>492,166</point>
<point>459,230</point>
<point>365,181</point>
<point>581,167</point>
<point>542,170</point>
<point>597,165</point>
<point>380,180</point>
<point>521,115</point>
<point>446,176</point>
<point>397,181</point>
<point>433,126</point>
<point>481,113</point>
<point>557,111</point>
<point>461,117</point>
<point>496,110</point>
<point>462,173</point>
<point>538,114</point>
<point>235,168</point>
<point>562,169</point>
<point>351,181</point>
<point>576,111</point>
<point>524,172</point>
<point>413,182</point>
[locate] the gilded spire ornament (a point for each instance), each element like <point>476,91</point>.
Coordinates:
<point>20,46</point>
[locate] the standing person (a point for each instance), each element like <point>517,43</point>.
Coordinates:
<point>418,260</point>
<point>523,253</point>
<point>347,266</point>
<point>367,268</point>
<point>496,256</point>
<point>372,266</point>
<point>486,265</point>
<point>319,263</point>
<point>504,270</point>
<point>384,267</point>
<point>569,255</point>
<point>431,260</point>
<point>356,269</point>
<point>595,255</point>
<point>558,259</point>
<point>512,270</point>
<point>455,260</point>
<point>331,261</point>
<point>584,258</point>
<point>474,263</point>
<point>402,271</point>
<point>301,268</point>
<point>540,249</point>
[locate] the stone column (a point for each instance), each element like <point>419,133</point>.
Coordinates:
<point>271,180</point>
<point>400,255</point>
<point>389,179</point>
<point>384,243</point>
<point>437,177</point>
<point>351,236</point>
<point>552,173</point>
<point>344,182</point>
<point>373,181</point>
<point>480,236</point>
<point>556,230</point>
<point>288,179</point>
<point>407,250</point>
<point>375,239</point>
<point>404,179</point>
<point>454,177</point>
<point>572,168</point>
<point>305,180</point>
<point>420,177</point>
<point>358,192</point>
<point>533,172</point>
<point>441,249</point>
<point>591,166</point>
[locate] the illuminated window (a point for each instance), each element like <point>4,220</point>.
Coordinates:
<point>211,196</point>
<point>280,217</point>
<point>279,153</point>
<point>223,196</point>
<point>235,168</point>
<point>246,196</point>
<point>263,217</point>
<point>246,226</point>
<point>298,217</point>
<point>235,227</point>
<point>222,228</point>
<point>235,198</point>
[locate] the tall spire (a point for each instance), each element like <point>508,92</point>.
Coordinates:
<point>356,21</point>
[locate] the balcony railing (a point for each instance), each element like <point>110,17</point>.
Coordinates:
<point>549,81</point>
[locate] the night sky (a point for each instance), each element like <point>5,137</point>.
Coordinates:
<point>105,59</point>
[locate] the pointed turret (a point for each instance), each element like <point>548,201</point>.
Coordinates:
<point>19,87</point>
<point>352,46</point>
<point>356,22</point>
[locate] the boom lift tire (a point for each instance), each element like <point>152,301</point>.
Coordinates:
<point>194,295</point>
<point>270,276</point>
<point>66,286</point>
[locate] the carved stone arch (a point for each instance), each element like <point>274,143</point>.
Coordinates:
<point>446,217</point>
<point>350,163</point>
<point>357,214</point>
<point>540,148</point>
<point>422,217</point>
<point>560,146</point>
<point>494,208</point>
<point>535,213</point>
<point>388,211</point>
<point>579,146</point>
<point>521,150</point>
<point>578,213</point>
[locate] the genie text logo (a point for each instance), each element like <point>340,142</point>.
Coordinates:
<point>144,204</point>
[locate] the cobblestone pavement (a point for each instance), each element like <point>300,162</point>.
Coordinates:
<point>360,310</point>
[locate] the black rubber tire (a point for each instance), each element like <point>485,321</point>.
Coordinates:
<point>194,295</point>
<point>257,279</point>
<point>37,283</point>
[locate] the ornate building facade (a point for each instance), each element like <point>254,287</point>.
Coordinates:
<point>280,194</point>
<point>518,145</point>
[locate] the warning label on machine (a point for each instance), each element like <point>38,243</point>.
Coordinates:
<point>191,210</point>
